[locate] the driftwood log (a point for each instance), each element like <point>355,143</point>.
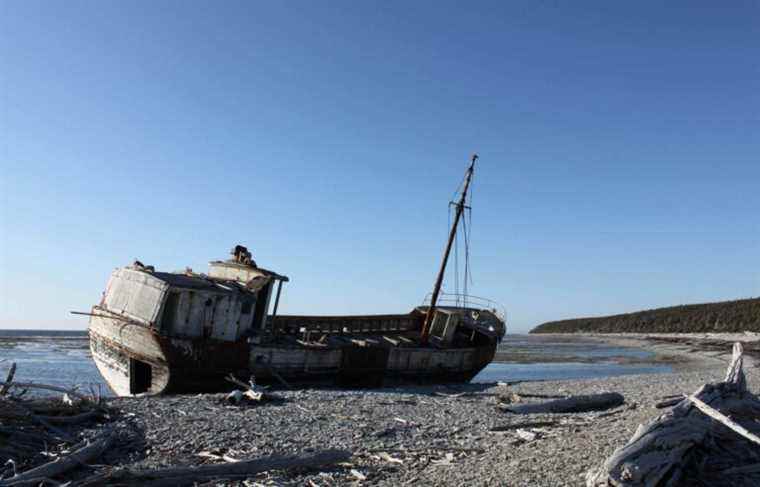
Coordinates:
<point>178,476</point>
<point>61,465</point>
<point>34,385</point>
<point>573,404</point>
<point>28,427</point>
<point>707,439</point>
<point>524,424</point>
<point>9,380</point>
<point>666,403</point>
<point>73,419</point>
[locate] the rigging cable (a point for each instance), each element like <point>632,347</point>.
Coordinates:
<point>466,258</point>
<point>466,229</point>
<point>466,213</point>
<point>469,232</point>
<point>456,264</point>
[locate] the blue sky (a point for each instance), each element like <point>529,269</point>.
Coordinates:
<point>619,150</point>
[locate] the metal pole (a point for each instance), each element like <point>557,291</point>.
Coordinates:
<point>442,271</point>
<point>276,304</point>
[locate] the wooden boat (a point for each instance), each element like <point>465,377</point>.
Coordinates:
<point>159,332</point>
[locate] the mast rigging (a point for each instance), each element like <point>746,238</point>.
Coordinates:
<point>460,207</point>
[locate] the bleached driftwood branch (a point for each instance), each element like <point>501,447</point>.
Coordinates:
<point>178,476</point>
<point>8,380</point>
<point>34,385</point>
<point>524,424</point>
<point>61,465</point>
<point>718,416</point>
<point>735,374</point>
<point>696,443</point>
<point>24,432</point>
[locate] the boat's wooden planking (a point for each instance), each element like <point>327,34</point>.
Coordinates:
<point>292,361</point>
<point>135,294</point>
<point>115,345</point>
<point>193,314</point>
<point>303,362</point>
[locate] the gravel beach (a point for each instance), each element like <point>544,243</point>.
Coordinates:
<point>427,435</point>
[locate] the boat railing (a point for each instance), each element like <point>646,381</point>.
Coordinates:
<point>459,300</point>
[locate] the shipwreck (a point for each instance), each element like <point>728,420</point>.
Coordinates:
<point>160,332</point>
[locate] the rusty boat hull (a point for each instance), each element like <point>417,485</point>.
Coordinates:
<point>135,359</point>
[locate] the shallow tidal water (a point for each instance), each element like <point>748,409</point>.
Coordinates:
<point>541,357</point>
<point>63,358</point>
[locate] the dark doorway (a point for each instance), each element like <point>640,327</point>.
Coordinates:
<point>140,376</point>
<point>363,366</point>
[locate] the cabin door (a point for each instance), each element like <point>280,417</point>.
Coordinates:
<point>140,376</point>
<point>363,366</point>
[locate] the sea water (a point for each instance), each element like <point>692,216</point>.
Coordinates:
<point>549,357</point>
<point>63,358</point>
<point>60,358</point>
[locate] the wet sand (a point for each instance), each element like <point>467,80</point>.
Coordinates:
<point>689,348</point>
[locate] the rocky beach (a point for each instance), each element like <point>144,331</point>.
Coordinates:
<point>441,435</point>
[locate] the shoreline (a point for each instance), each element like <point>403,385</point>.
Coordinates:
<point>671,353</point>
<point>443,435</point>
<point>436,434</point>
<point>684,349</point>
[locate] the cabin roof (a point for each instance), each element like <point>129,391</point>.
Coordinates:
<point>233,264</point>
<point>194,281</point>
<point>199,282</point>
<point>211,282</point>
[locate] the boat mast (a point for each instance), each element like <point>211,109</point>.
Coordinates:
<point>460,206</point>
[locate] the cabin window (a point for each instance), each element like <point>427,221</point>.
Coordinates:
<point>438,326</point>
<point>140,376</point>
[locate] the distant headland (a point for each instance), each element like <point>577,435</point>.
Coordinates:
<point>721,317</point>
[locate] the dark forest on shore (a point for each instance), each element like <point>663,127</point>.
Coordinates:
<point>721,317</point>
